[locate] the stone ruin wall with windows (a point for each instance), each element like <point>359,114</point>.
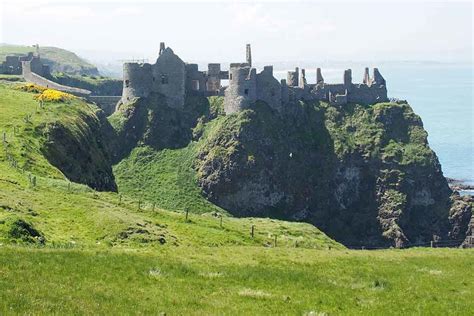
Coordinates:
<point>173,78</point>
<point>13,65</point>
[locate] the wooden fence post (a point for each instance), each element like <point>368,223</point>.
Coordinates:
<point>252,231</point>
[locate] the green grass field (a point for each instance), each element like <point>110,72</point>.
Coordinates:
<point>236,280</point>
<point>100,253</point>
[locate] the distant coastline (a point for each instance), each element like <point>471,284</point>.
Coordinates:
<point>461,186</point>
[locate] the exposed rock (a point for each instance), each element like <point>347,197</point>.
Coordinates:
<point>460,215</point>
<point>365,175</point>
<point>81,151</point>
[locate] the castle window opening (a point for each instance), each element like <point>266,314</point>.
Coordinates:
<point>230,76</point>
<point>127,83</point>
<point>195,85</point>
<point>164,79</point>
<point>246,91</point>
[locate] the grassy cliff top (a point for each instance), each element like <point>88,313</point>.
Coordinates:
<point>60,60</point>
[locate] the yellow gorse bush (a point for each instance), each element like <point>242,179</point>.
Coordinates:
<point>50,95</point>
<point>30,87</point>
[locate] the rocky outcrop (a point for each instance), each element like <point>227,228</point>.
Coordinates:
<point>81,150</point>
<point>150,121</point>
<point>363,174</point>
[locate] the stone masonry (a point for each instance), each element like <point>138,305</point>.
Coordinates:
<point>174,79</point>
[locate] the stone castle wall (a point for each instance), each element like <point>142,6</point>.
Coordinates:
<point>175,79</point>
<point>39,80</point>
<point>13,65</point>
<point>268,88</point>
<point>169,78</point>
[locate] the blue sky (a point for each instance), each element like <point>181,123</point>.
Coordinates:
<point>218,31</point>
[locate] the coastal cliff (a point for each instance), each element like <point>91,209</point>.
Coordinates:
<point>364,174</point>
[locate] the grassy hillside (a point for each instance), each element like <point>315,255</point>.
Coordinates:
<point>60,60</point>
<point>67,249</point>
<point>163,177</point>
<point>67,213</point>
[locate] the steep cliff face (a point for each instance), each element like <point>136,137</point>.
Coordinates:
<point>363,174</point>
<point>80,149</point>
<point>151,122</point>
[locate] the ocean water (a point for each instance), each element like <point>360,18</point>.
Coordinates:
<point>441,94</point>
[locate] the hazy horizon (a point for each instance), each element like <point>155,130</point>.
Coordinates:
<point>108,31</point>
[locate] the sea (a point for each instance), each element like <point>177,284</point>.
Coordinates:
<point>440,93</point>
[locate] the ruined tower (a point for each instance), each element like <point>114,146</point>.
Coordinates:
<point>319,76</point>
<point>348,79</point>
<point>248,55</point>
<point>242,90</point>
<point>213,80</point>
<point>302,80</point>
<point>137,80</point>
<point>377,78</point>
<point>169,78</point>
<point>162,48</point>
<point>292,77</point>
<point>366,79</point>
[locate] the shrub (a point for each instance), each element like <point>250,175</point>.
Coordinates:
<point>30,87</point>
<point>24,231</point>
<point>50,95</point>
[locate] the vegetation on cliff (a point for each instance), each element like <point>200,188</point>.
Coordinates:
<point>364,174</point>
<point>39,204</point>
<point>98,85</point>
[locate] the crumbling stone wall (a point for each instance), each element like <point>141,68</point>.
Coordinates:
<point>13,65</point>
<point>39,80</point>
<point>169,78</point>
<point>196,81</point>
<point>268,88</point>
<point>174,79</point>
<point>292,78</point>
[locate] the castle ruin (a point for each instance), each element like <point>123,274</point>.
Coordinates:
<point>173,78</point>
<point>13,65</point>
